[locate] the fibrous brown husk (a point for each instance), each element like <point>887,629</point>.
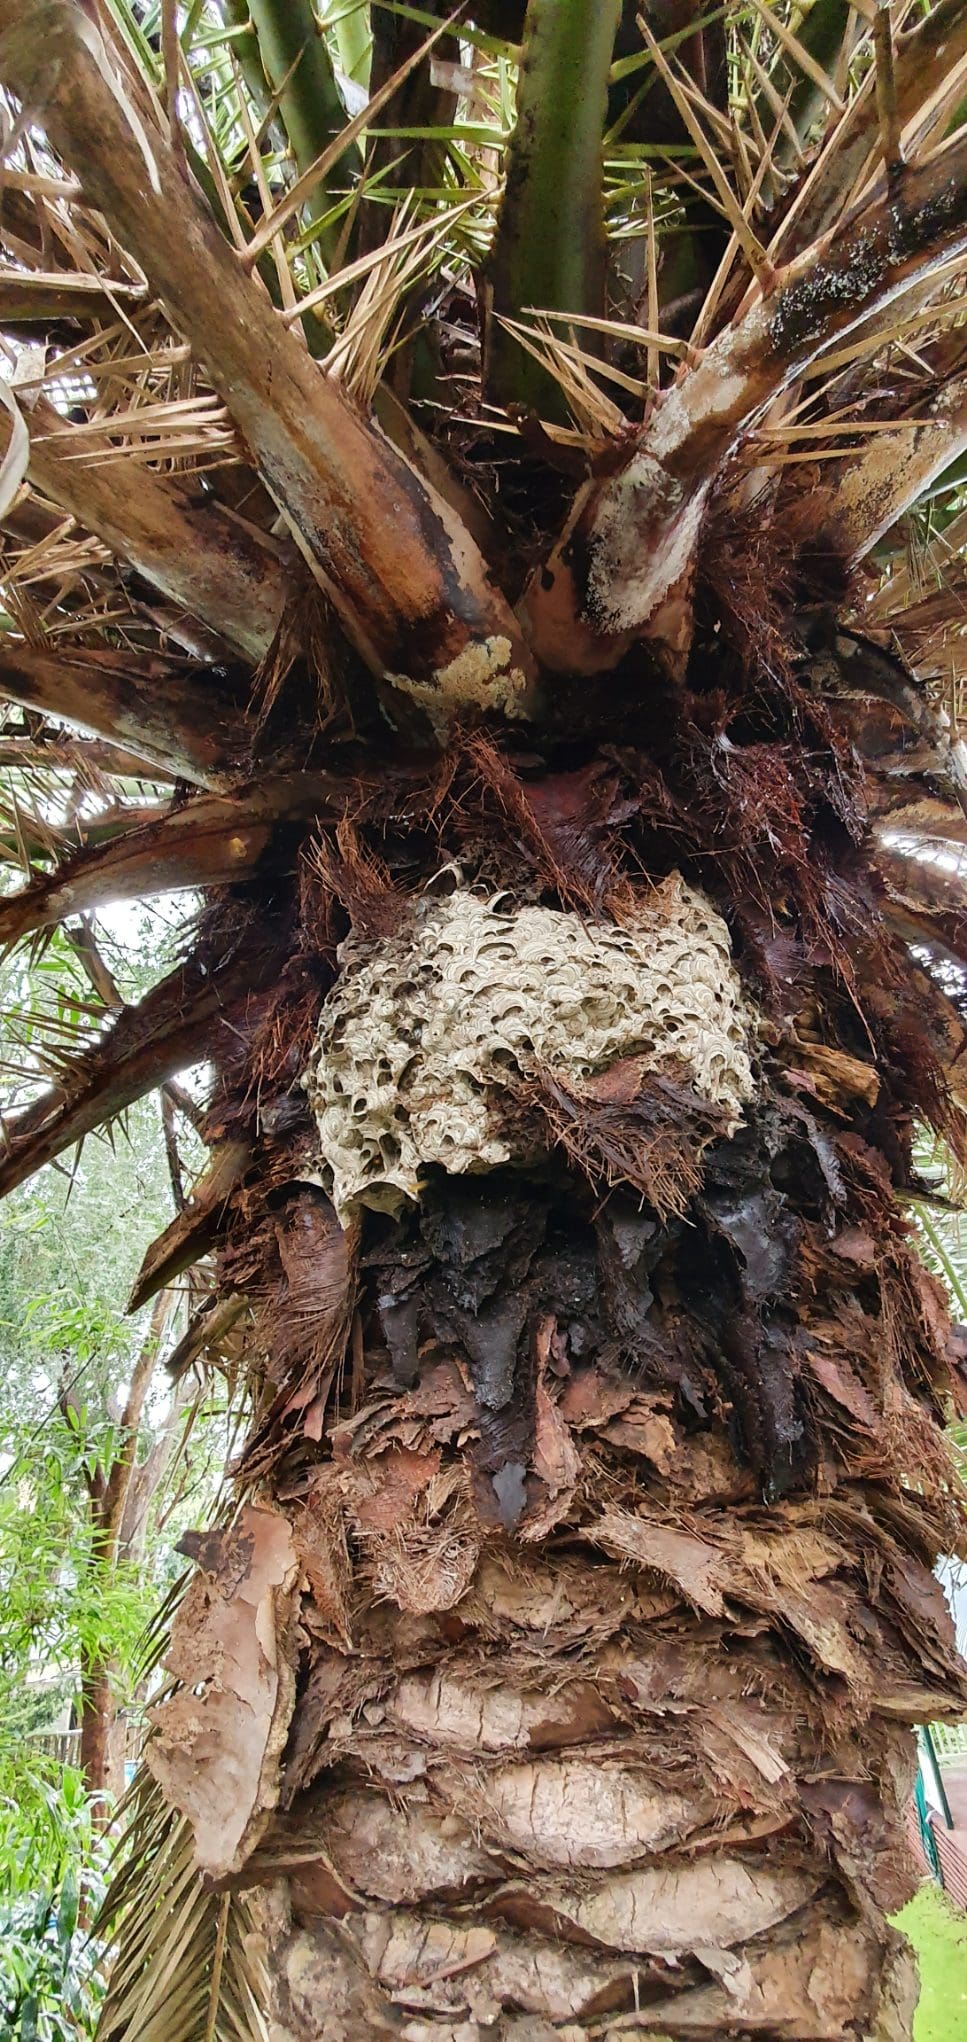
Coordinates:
<point>615,1474</point>
<point>642,1755</point>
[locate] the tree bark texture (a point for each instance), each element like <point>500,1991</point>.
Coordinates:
<point>556,1675</point>
<point>115,1533</point>
<point>102,1738</point>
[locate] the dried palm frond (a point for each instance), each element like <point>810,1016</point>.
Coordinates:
<point>190,1969</point>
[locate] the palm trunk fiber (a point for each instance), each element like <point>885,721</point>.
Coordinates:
<point>591,1739</point>
<point>557,1673</point>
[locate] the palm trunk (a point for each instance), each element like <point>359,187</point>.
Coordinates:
<point>589,1597</point>
<point>572,1029</point>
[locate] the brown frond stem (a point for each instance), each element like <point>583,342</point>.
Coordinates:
<point>871,490</point>
<point>886,92</point>
<point>188,717</point>
<point>622,567</point>
<point>179,1023</point>
<point>403,575</point>
<point>212,565</point>
<point>202,843</point>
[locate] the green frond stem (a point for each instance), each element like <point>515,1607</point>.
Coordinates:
<point>382,97</point>
<point>635,533</point>
<point>169,709</point>
<point>348,21</point>
<point>245,49</point>
<point>298,67</point>
<point>814,59</point>
<point>549,247</point>
<point>405,577</point>
<point>213,566</point>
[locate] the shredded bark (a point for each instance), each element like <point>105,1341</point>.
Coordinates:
<point>232,1651</point>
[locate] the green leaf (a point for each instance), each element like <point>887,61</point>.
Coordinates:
<point>67,1910</point>
<point>824,34</point>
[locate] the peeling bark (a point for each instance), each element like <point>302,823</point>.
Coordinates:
<point>635,1753</point>
<point>602,1597</point>
<point>231,1647</point>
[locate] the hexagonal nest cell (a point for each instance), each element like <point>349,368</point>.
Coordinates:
<point>424,1031</point>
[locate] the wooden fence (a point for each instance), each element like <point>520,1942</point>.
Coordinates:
<point>65,1745</point>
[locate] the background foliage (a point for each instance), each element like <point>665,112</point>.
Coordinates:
<point>70,1245</point>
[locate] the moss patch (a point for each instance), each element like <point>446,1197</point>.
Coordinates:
<point>938,1931</point>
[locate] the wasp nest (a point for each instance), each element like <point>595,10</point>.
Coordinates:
<point>423,1030</point>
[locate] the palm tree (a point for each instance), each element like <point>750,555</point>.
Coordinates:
<point>485,487</point>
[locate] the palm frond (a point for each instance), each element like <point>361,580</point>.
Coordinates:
<point>175,1025</point>
<point>187,1967</point>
